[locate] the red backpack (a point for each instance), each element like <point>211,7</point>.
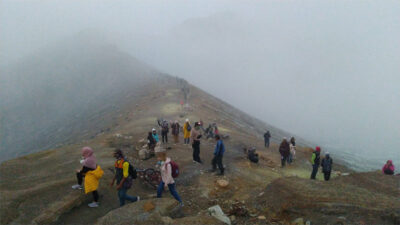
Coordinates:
<point>174,169</point>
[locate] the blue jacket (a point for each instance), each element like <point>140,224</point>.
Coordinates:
<point>155,136</point>
<point>219,148</point>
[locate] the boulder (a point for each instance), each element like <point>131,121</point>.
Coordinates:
<point>222,183</point>
<point>136,213</point>
<point>144,154</point>
<point>148,206</point>
<point>217,212</point>
<point>298,221</point>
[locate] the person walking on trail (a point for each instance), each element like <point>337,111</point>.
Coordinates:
<point>155,135</point>
<point>167,179</point>
<point>267,136</point>
<point>292,145</point>
<point>218,155</point>
<point>315,160</point>
<point>124,178</point>
<point>326,165</point>
<point>92,174</point>
<point>175,131</point>
<point>195,135</point>
<point>388,168</point>
<point>164,130</point>
<point>284,150</point>
<point>186,131</point>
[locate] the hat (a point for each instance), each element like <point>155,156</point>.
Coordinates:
<point>154,129</point>
<point>318,149</point>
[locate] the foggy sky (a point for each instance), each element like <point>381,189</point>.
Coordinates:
<point>328,71</point>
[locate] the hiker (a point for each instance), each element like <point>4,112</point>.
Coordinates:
<point>155,135</point>
<point>92,173</point>
<point>292,145</point>
<point>284,150</point>
<point>267,136</point>
<point>195,135</point>
<point>218,155</point>
<point>124,174</point>
<point>388,168</point>
<point>175,131</point>
<point>167,179</point>
<point>164,130</point>
<point>252,155</point>
<point>209,132</point>
<point>216,131</point>
<point>151,143</point>
<point>315,160</point>
<point>186,131</point>
<point>326,165</point>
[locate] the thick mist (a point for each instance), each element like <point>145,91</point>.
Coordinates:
<point>327,71</point>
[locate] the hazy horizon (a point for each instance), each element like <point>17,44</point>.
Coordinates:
<point>326,71</point>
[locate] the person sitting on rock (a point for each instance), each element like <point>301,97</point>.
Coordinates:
<point>166,177</point>
<point>315,160</point>
<point>92,173</point>
<point>388,168</point>
<point>155,135</point>
<point>326,165</point>
<point>151,143</point>
<point>252,155</point>
<point>123,177</point>
<point>218,155</point>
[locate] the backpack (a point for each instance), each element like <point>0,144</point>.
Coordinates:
<point>132,172</point>
<point>174,169</point>
<point>188,128</point>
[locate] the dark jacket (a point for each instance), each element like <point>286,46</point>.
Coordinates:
<point>267,136</point>
<point>315,158</point>
<point>175,128</point>
<point>151,140</point>
<point>284,149</point>
<point>326,164</point>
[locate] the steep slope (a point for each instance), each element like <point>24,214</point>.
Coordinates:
<point>35,191</point>
<point>66,93</point>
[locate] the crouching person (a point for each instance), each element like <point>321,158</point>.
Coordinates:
<point>124,174</point>
<point>169,170</point>
<point>92,174</point>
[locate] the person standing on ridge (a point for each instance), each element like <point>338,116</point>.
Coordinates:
<point>196,143</point>
<point>284,150</point>
<point>167,179</point>
<point>267,136</point>
<point>175,131</point>
<point>186,131</point>
<point>164,130</point>
<point>292,145</point>
<point>388,168</point>
<point>326,165</point>
<point>315,160</point>
<point>124,178</point>
<point>218,155</point>
<point>92,174</point>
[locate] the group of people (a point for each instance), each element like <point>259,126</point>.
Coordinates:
<point>91,172</point>
<point>89,175</point>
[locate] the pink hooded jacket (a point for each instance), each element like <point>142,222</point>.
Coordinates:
<point>388,166</point>
<point>89,158</point>
<point>166,172</point>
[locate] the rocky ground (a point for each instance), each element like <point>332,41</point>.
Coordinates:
<point>36,189</point>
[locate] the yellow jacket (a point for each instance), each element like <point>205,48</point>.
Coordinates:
<point>92,179</point>
<point>186,133</point>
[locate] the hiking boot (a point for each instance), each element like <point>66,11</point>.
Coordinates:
<point>220,174</point>
<point>93,205</point>
<point>77,187</point>
<point>181,204</point>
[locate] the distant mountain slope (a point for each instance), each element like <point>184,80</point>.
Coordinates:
<point>61,94</point>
